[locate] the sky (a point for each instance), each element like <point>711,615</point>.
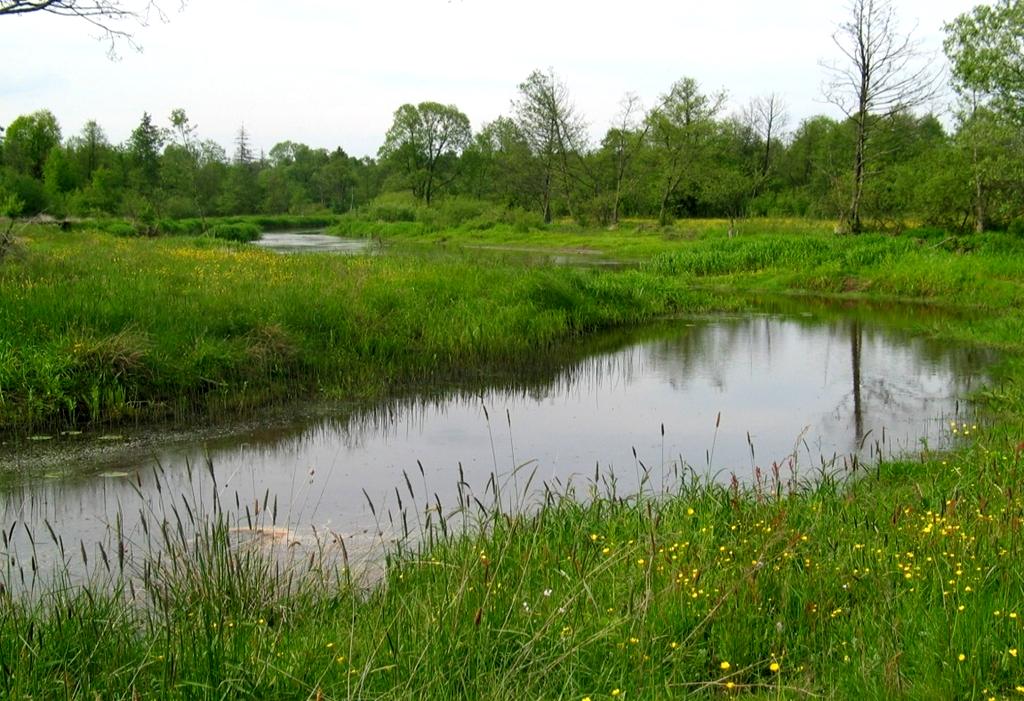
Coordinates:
<point>331,73</point>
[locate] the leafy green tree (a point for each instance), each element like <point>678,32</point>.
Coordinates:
<point>681,128</point>
<point>986,50</point>
<point>335,181</point>
<point>59,177</point>
<point>28,141</point>
<point>89,150</point>
<point>143,151</point>
<point>424,143</point>
<point>500,165</point>
<point>811,168</point>
<point>242,193</point>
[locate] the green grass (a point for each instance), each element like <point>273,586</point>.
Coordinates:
<point>96,328</point>
<point>872,586</point>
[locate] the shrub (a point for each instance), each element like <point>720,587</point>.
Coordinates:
<point>242,232</point>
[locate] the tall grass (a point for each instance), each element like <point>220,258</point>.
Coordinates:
<point>99,328</point>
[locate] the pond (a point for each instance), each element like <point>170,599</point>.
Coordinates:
<point>314,241</point>
<point>754,398</point>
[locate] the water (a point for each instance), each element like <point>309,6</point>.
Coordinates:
<point>722,397</point>
<point>312,242</point>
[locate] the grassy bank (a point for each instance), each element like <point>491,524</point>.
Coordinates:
<point>901,583</point>
<point>95,328</point>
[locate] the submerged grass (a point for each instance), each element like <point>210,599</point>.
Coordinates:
<point>902,582</point>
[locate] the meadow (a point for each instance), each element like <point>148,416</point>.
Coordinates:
<point>900,580</point>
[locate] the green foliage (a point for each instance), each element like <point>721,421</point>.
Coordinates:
<point>241,232</point>
<point>984,48</point>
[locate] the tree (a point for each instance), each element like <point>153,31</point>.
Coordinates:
<point>181,161</point>
<point>553,129</point>
<point>89,150</point>
<point>242,189</point>
<point>111,17</point>
<point>681,129</point>
<point>28,142</point>
<point>766,117</point>
<point>623,142</point>
<point>500,164</point>
<point>883,73</point>
<point>424,143</point>
<point>144,146</point>
<point>986,50</point>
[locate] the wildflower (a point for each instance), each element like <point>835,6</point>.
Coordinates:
<point>1013,652</point>
<point>730,685</point>
<point>725,665</point>
<point>774,666</point>
<point>586,698</point>
<point>961,657</point>
<point>616,692</point>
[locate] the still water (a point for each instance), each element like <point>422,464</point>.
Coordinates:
<point>312,242</point>
<point>718,397</point>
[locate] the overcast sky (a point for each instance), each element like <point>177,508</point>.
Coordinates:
<point>331,72</point>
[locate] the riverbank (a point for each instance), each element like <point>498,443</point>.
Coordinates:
<point>902,582</point>
<point>96,329</point>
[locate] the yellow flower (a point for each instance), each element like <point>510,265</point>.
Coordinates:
<point>730,685</point>
<point>961,657</point>
<point>586,698</point>
<point>774,666</point>
<point>1013,652</point>
<point>725,665</point>
<point>616,692</point>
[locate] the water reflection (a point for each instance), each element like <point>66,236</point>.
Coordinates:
<point>312,242</point>
<point>723,397</point>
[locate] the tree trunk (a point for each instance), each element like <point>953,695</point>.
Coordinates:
<point>979,194</point>
<point>853,216</point>
<point>663,211</point>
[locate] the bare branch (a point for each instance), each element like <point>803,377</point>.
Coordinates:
<point>113,18</point>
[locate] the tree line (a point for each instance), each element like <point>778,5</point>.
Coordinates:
<point>886,161</point>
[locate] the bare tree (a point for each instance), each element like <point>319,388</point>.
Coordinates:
<point>625,139</point>
<point>883,73</point>
<point>767,116</point>
<point>113,18</point>
<point>554,129</point>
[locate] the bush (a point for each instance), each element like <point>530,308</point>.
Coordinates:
<point>242,232</point>
<point>393,207</point>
